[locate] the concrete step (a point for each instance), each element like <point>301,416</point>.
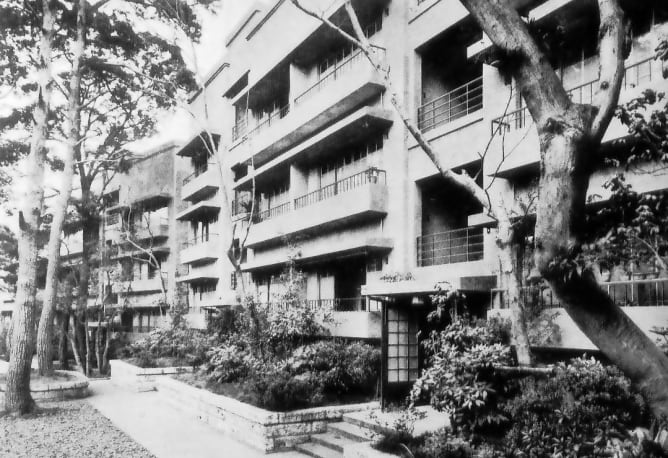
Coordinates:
<point>352,431</point>
<point>332,440</point>
<point>376,428</point>
<point>318,450</point>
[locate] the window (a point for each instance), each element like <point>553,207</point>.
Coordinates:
<point>233,281</point>
<point>402,347</point>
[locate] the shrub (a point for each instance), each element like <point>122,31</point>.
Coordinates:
<point>280,391</point>
<point>179,341</point>
<point>437,444</point>
<point>461,379</point>
<point>339,367</point>
<point>228,363</point>
<point>583,407</point>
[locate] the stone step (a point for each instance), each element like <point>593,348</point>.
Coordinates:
<point>376,428</point>
<point>332,440</point>
<point>352,431</point>
<point>318,450</point>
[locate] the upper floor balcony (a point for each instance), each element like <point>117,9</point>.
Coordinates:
<point>203,181</point>
<point>356,198</point>
<point>450,247</point>
<point>200,250</point>
<point>348,85</point>
<point>457,103</point>
<point>155,281</point>
<point>517,129</point>
<point>210,206</point>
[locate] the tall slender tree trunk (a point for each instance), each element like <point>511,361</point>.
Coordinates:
<point>45,329</point>
<point>17,394</point>
<point>64,322</point>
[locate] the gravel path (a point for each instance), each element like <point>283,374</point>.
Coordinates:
<point>65,429</point>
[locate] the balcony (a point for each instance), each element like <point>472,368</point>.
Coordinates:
<point>200,183</point>
<point>152,228</point>
<point>455,104</point>
<point>450,247</point>
<point>201,208</point>
<point>626,293</point>
<point>202,274</point>
<point>145,285</point>
<point>513,126</point>
<point>350,84</point>
<point>201,250</point>
<point>359,197</point>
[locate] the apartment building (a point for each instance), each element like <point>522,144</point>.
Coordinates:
<point>314,147</point>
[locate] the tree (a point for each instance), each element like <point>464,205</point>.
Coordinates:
<point>9,255</point>
<point>17,394</point>
<point>570,137</point>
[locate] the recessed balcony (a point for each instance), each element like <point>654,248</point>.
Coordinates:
<point>346,87</point>
<point>201,250</point>
<point>200,183</point>
<point>204,274</point>
<point>354,199</point>
<point>144,285</point>
<point>517,127</point>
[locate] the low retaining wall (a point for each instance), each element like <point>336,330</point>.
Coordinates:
<point>58,390</point>
<point>140,379</point>
<point>262,429</point>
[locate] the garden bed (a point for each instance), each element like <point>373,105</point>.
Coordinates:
<point>62,385</point>
<point>263,429</point>
<point>139,378</point>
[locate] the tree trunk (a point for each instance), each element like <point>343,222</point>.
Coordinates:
<point>45,329</point>
<point>98,343</point>
<point>64,321</point>
<point>17,393</point>
<point>560,214</point>
<point>509,276</point>
<point>105,353</point>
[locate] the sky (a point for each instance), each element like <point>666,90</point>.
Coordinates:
<point>209,53</point>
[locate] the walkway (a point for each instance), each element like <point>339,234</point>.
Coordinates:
<point>164,430</point>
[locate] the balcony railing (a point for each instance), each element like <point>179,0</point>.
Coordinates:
<point>371,175</point>
<point>241,206</point>
<point>240,129</point>
<point>204,238</point>
<point>625,293</point>
<point>272,212</point>
<point>459,245</point>
<point>330,76</point>
<point>452,105</point>
<point>346,304</point>
<point>636,74</point>
<point>198,171</point>
<point>152,274</point>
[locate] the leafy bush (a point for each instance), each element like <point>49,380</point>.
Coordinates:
<point>339,367</point>
<point>228,363</point>
<point>461,379</point>
<point>281,391</point>
<point>437,444</point>
<point>179,341</point>
<point>583,407</point>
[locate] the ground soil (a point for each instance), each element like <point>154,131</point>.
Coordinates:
<point>65,429</point>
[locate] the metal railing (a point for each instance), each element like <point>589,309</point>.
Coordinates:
<point>204,238</point>
<point>153,274</point>
<point>202,169</point>
<point>239,129</point>
<point>241,206</point>
<point>452,105</point>
<point>459,245</point>
<point>331,75</point>
<point>113,218</point>
<point>344,304</point>
<point>634,75</point>
<point>624,293</point>
<point>272,212</point>
<point>371,175</point>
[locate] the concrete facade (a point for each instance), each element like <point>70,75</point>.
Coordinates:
<point>341,187</point>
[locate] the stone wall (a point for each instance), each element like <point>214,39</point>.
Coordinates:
<point>262,429</point>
